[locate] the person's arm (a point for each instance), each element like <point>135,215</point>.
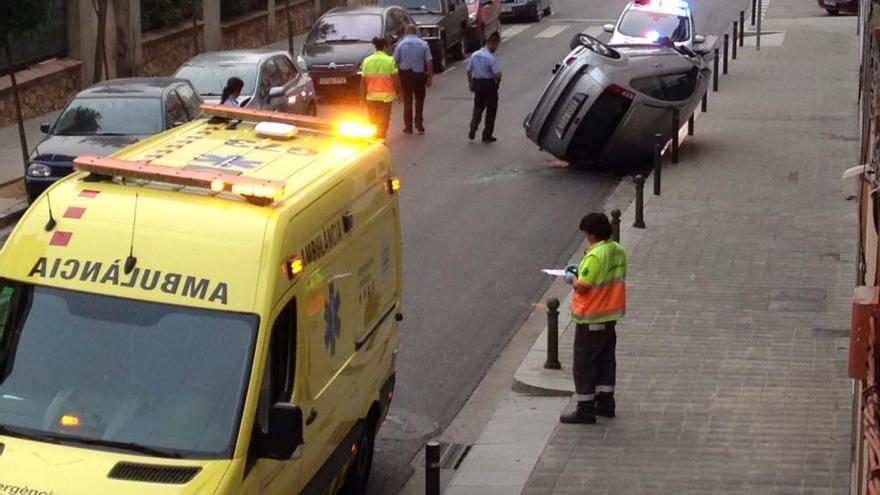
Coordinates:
<point>429,65</point>
<point>397,86</point>
<point>586,275</point>
<point>470,74</point>
<point>496,70</point>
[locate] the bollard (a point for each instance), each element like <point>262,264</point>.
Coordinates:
<point>753,12</point>
<point>691,125</point>
<point>715,71</point>
<point>615,225</point>
<point>640,202</point>
<point>432,468</point>
<point>742,28</point>
<point>658,162</point>
<point>758,29</point>
<point>705,104</point>
<point>676,126</point>
<point>726,49</point>
<point>735,40</point>
<point>552,362</point>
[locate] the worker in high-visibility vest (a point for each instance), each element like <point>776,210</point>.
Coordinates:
<point>598,302</point>
<point>380,85</point>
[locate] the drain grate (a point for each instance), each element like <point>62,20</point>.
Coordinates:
<point>453,454</point>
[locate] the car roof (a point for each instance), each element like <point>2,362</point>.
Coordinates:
<point>360,9</point>
<point>675,7</point>
<point>133,86</point>
<point>234,56</point>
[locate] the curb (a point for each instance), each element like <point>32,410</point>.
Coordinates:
<point>12,215</point>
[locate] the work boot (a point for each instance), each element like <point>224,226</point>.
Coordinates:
<point>584,413</point>
<point>605,404</point>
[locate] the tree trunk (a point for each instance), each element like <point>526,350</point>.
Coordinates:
<point>21,135</point>
<point>289,28</point>
<point>195,17</point>
<point>99,42</point>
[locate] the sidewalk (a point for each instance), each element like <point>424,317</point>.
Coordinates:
<point>732,357</point>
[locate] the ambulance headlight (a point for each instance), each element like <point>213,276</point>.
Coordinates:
<point>39,170</point>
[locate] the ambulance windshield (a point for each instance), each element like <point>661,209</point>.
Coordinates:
<point>143,377</point>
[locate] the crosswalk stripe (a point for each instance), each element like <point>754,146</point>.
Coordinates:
<point>552,31</point>
<point>510,32</point>
<point>593,31</point>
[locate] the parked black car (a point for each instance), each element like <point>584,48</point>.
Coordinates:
<point>442,23</point>
<point>107,117</point>
<point>341,40</point>
<point>530,9</point>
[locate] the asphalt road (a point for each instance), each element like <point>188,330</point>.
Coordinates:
<point>479,223</point>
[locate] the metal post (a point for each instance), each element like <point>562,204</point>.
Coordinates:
<point>758,30</point>
<point>715,71</point>
<point>754,2</point>
<point>552,362</point>
<point>742,28</point>
<point>658,162</point>
<point>640,202</point>
<point>432,468</point>
<point>735,40</point>
<point>615,225</point>
<point>726,50</point>
<point>705,104</point>
<point>676,126</point>
<point>691,125</point>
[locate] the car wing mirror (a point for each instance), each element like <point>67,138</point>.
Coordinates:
<point>699,39</point>
<point>608,28</point>
<point>45,128</point>
<point>276,92</point>
<point>285,434</point>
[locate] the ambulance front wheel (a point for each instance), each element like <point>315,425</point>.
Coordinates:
<point>359,473</point>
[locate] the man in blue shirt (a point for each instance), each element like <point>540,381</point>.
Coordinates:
<point>484,79</point>
<point>413,56</point>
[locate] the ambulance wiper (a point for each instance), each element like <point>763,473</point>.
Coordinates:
<point>134,447</point>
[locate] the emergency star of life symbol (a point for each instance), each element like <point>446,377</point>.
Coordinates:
<point>333,324</point>
<point>224,161</point>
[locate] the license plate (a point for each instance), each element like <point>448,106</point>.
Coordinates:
<point>331,80</point>
<point>506,10</point>
<point>573,106</point>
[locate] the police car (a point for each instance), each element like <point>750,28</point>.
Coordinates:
<point>647,21</point>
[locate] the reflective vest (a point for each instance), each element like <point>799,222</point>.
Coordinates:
<point>378,72</point>
<point>602,271</point>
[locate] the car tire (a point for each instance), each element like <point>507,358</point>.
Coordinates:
<point>833,11</point>
<point>440,57</point>
<point>358,476</point>
<point>462,50</point>
<point>539,12</point>
<point>312,109</point>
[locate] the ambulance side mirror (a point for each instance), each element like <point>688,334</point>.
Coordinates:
<point>285,432</point>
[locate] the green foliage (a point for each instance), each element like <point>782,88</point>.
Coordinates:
<point>21,16</point>
<point>156,14</point>
<point>232,8</point>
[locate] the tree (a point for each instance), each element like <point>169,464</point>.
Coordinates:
<point>18,19</point>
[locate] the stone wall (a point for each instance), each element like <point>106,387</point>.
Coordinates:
<point>302,16</point>
<point>247,31</point>
<point>42,88</point>
<point>164,50</point>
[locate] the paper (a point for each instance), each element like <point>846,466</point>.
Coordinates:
<point>554,272</point>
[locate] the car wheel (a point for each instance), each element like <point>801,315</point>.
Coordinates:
<point>539,12</point>
<point>312,110</point>
<point>833,11</point>
<point>359,472</point>
<point>461,51</point>
<point>549,9</point>
<point>440,57</point>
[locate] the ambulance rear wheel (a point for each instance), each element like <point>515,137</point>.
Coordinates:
<point>359,473</point>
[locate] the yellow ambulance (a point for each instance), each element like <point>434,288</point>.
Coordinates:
<point>211,311</point>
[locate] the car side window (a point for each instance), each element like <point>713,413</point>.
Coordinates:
<point>671,87</point>
<point>288,70</point>
<point>393,24</point>
<point>277,384</point>
<point>270,76</point>
<point>175,110</point>
<point>190,100</point>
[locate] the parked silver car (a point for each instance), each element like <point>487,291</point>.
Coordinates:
<point>272,80</point>
<point>605,103</point>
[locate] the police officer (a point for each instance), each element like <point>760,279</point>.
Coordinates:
<point>414,61</point>
<point>484,79</point>
<point>380,85</point>
<point>598,302</point>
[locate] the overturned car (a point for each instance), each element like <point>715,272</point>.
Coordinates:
<point>604,103</point>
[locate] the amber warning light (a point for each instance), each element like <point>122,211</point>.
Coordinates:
<point>69,420</point>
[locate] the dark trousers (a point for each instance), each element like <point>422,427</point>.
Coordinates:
<point>413,85</point>
<point>594,361</point>
<point>380,115</point>
<point>485,98</point>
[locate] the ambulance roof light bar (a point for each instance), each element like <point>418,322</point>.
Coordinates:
<point>255,115</point>
<point>257,191</point>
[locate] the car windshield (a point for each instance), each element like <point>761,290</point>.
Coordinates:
<point>644,24</point>
<point>86,369</point>
<point>416,6</point>
<point>209,80</point>
<point>346,28</point>
<point>110,116</point>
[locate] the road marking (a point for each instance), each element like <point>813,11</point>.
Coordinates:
<point>450,69</point>
<point>510,32</point>
<point>593,31</point>
<point>552,31</point>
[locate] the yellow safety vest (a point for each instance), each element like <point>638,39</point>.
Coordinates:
<point>378,72</point>
<point>602,271</point>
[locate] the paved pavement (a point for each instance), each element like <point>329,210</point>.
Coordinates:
<point>732,358</point>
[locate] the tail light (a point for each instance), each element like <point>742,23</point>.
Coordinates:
<point>620,90</point>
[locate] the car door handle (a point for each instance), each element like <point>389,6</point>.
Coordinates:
<point>313,414</point>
